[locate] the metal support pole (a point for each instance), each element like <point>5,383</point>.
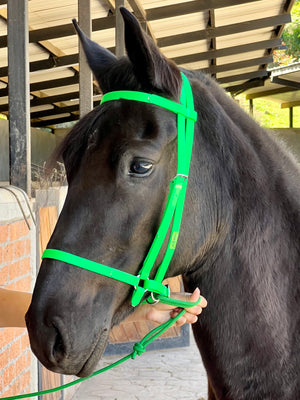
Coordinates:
<point>251,106</point>
<point>291,117</point>
<point>85,74</point>
<point>120,42</point>
<point>18,92</point>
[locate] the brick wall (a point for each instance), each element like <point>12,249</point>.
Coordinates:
<point>15,273</point>
<point>18,367</point>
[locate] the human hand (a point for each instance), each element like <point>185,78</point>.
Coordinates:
<point>161,313</point>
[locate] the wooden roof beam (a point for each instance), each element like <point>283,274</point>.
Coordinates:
<point>244,48</point>
<point>210,32</point>
<point>237,89</point>
<point>141,15</point>
<point>55,121</point>
<point>238,65</point>
<point>53,83</point>
<point>66,61</point>
<point>108,22</point>
<point>111,4</point>
<point>285,82</point>
<point>191,7</point>
<point>272,92</point>
<point>290,104</point>
<point>241,77</point>
<point>39,101</point>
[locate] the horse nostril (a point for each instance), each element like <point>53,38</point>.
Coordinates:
<point>58,351</point>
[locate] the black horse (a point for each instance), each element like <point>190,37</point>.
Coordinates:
<point>239,241</point>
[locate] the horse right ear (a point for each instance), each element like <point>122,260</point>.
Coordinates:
<point>98,58</point>
<point>153,70</point>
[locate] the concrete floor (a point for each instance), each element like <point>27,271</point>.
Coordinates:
<point>161,375</point>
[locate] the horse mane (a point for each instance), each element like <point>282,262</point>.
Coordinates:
<point>245,123</point>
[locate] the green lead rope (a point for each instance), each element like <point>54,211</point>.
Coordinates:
<point>138,349</point>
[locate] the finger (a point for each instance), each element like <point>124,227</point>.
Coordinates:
<point>189,317</point>
<point>195,297</point>
<point>186,319</point>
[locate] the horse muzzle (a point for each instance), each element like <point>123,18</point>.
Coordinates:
<point>59,350</point>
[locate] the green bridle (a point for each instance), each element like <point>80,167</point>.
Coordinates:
<point>186,117</point>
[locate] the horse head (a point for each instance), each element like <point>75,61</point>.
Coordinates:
<point>119,161</point>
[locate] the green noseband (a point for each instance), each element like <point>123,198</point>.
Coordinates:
<point>186,118</point>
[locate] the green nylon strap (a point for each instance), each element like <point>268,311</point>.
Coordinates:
<point>104,270</point>
<point>151,99</point>
<point>138,349</point>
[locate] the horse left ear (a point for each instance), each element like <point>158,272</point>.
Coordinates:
<point>151,67</point>
<point>98,58</point>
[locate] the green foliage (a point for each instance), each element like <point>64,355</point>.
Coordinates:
<point>291,34</point>
<point>269,114</point>
<point>290,38</point>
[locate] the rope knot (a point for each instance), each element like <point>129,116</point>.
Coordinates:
<point>138,350</point>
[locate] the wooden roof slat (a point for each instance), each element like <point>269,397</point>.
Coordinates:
<point>238,65</point>
<point>241,77</point>
<point>46,100</point>
<point>235,89</point>
<point>55,121</point>
<point>59,31</point>
<point>190,7</point>
<point>58,110</point>
<point>272,92</point>
<point>47,84</point>
<point>265,44</point>
<point>223,30</point>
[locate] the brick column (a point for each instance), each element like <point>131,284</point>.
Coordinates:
<point>16,253</point>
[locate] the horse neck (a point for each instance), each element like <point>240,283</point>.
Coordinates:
<point>260,184</point>
<point>266,201</point>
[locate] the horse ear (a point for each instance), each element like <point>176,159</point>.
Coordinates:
<point>151,67</point>
<point>98,58</point>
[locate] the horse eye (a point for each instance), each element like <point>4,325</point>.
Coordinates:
<point>140,167</point>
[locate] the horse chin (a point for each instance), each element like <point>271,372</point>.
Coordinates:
<point>90,365</point>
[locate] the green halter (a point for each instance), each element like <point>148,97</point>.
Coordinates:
<point>186,117</point>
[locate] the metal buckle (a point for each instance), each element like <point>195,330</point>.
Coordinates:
<point>182,175</point>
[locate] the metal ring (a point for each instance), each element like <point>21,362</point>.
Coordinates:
<point>155,301</point>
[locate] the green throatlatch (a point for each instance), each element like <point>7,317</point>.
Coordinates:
<point>186,117</point>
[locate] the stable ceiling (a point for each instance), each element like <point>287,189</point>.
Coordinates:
<point>231,40</point>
